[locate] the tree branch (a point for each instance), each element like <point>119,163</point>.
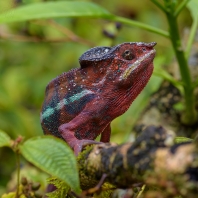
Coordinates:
<point>150,160</point>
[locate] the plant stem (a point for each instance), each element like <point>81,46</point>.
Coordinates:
<point>189,117</point>
<point>191,37</point>
<point>141,191</point>
<point>140,25</point>
<point>18,173</point>
<point>159,5</point>
<point>180,7</point>
<point>166,76</point>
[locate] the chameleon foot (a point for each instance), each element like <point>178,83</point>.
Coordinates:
<point>78,146</point>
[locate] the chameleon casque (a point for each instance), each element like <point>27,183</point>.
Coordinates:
<point>80,104</point>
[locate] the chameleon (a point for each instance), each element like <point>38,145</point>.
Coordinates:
<point>80,104</point>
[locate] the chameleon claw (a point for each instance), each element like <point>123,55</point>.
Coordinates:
<point>78,147</point>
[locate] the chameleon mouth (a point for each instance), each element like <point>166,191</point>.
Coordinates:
<point>149,57</point>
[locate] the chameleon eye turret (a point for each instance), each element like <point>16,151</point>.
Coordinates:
<point>80,104</point>
<point>127,55</point>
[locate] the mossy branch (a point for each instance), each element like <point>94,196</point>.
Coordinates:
<point>149,160</point>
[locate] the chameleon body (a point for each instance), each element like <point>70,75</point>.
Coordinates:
<point>80,104</point>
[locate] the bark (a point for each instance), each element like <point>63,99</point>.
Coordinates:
<point>153,159</point>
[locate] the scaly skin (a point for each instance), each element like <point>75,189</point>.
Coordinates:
<point>80,104</point>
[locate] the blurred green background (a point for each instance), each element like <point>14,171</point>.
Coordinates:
<point>33,53</point>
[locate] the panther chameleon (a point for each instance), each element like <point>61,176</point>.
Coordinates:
<point>80,104</point>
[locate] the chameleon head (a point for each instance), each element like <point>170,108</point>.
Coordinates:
<point>135,60</point>
<point>123,63</point>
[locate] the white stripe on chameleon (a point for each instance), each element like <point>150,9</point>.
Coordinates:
<point>49,111</point>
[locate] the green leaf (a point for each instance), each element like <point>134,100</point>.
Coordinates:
<point>182,139</point>
<point>53,10</point>
<point>4,139</point>
<point>193,7</point>
<point>54,157</point>
<point>46,10</point>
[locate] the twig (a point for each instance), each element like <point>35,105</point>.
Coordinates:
<point>20,38</point>
<point>73,37</point>
<point>159,5</point>
<point>180,7</point>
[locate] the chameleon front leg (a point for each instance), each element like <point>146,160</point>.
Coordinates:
<point>68,130</point>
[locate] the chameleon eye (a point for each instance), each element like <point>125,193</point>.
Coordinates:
<point>127,55</point>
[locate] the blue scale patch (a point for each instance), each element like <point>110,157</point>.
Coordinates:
<point>50,118</point>
<point>73,105</point>
<point>77,105</point>
<point>78,98</point>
